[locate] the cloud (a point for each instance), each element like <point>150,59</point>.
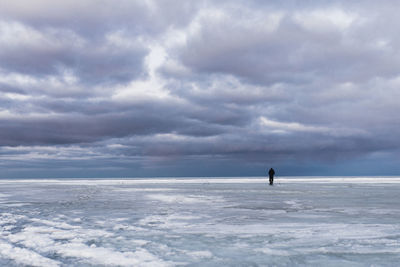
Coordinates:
<point>53,52</point>
<point>269,46</point>
<point>156,87</point>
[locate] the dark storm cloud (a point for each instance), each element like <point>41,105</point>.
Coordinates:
<point>52,52</point>
<point>149,87</point>
<point>83,122</point>
<point>6,88</point>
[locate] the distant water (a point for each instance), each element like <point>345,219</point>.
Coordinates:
<point>302,221</point>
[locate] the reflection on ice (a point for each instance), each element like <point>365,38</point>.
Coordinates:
<point>137,222</point>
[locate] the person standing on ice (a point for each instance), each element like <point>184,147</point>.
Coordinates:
<point>271,176</point>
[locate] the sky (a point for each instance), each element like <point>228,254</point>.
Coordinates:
<point>150,88</point>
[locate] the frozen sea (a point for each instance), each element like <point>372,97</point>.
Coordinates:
<point>300,221</point>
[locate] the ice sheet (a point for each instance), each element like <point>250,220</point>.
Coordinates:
<point>309,221</point>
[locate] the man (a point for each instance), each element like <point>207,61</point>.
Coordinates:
<point>271,176</point>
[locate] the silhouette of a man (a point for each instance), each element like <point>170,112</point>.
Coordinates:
<point>271,176</point>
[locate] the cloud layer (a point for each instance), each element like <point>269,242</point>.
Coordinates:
<point>159,88</point>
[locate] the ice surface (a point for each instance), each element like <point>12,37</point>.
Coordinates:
<point>316,221</point>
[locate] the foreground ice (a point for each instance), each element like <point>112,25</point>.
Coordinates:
<point>207,222</point>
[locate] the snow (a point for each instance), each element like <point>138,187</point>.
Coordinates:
<point>309,221</point>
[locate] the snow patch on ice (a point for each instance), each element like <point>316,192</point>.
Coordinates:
<point>24,256</point>
<point>270,251</point>
<point>105,256</point>
<point>15,204</point>
<point>200,254</point>
<point>68,241</point>
<point>190,199</point>
<point>173,221</point>
<point>145,189</point>
<point>62,225</point>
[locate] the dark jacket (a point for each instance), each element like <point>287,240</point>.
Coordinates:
<point>271,172</point>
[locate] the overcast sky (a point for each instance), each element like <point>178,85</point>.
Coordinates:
<point>124,88</point>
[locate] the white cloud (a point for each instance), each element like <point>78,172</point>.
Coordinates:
<point>325,19</point>
<point>292,127</point>
<point>286,127</point>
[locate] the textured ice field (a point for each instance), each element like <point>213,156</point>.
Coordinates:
<point>200,222</point>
